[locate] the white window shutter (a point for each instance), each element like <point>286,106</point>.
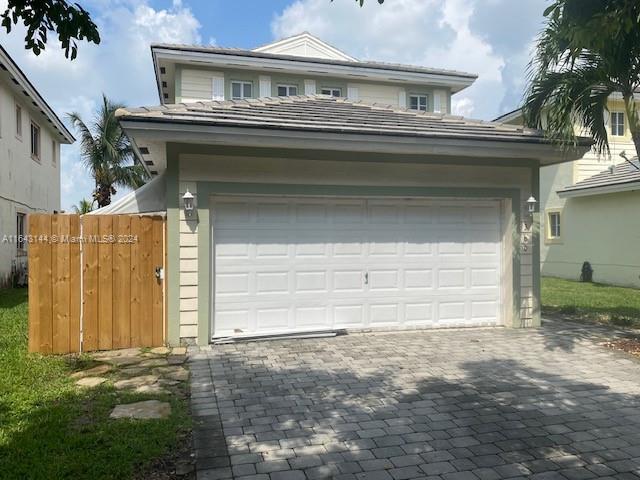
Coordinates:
<point>402,99</point>
<point>217,88</point>
<point>439,102</point>
<point>265,86</point>
<point>353,93</point>
<point>309,87</point>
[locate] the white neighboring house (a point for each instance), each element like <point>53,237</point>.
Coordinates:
<point>30,138</point>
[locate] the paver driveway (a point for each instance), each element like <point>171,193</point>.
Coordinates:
<point>456,405</point>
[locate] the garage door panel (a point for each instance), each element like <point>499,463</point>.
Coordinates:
<point>300,264</point>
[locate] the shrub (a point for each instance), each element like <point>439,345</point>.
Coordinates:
<point>586,275</point>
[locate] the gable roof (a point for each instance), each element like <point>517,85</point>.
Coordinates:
<point>323,113</point>
<point>617,178</point>
<point>20,82</point>
<point>305,45</point>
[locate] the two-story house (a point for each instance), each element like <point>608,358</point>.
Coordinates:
<point>589,208</point>
<point>30,138</point>
<point>309,191</point>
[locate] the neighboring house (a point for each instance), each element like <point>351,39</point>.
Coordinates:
<point>30,138</point>
<point>589,209</point>
<point>330,193</point>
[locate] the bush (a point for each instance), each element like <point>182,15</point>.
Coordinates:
<point>586,274</point>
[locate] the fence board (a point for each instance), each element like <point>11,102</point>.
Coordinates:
<point>75,295</point>
<point>136,282</point>
<point>96,277</point>
<point>121,282</point>
<point>90,292</point>
<point>60,228</point>
<point>105,278</point>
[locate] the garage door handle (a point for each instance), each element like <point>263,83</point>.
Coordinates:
<point>366,278</point>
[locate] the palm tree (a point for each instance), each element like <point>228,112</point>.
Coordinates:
<point>84,206</point>
<point>107,153</point>
<point>589,50</point>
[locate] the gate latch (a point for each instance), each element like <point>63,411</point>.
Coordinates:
<point>160,273</point>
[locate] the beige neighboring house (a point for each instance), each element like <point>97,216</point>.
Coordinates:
<point>589,208</point>
<point>30,138</point>
<point>308,191</point>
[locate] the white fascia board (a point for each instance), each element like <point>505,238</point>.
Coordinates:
<point>588,192</point>
<point>34,96</point>
<point>353,72</point>
<point>288,139</point>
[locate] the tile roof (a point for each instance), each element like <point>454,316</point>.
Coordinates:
<point>360,64</point>
<point>333,115</point>
<point>621,175</point>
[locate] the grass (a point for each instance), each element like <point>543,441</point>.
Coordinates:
<point>50,429</point>
<point>591,302</point>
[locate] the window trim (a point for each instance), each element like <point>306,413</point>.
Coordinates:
<point>242,84</point>
<point>624,126</point>
<point>418,96</point>
<point>288,86</point>
<point>18,123</point>
<point>37,156</point>
<point>331,90</point>
<point>21,218</point>
<point>549,238</point>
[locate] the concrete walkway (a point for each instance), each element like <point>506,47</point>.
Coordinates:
<point>453,405</point>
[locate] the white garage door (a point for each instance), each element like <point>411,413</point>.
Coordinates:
<point>287,265</point>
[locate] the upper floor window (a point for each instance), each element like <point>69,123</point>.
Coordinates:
<point>54,153</point>
<point>287,90</point>
<point>19,121</point>
<point>617,124</point>
<point>554,225</point>
<point>334,92</point>
<point>35,141</point>
<point>418,102</point>
<point>240,90</point>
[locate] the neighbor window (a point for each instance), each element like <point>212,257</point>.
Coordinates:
<point>334,92</point>
<point>554,225</point>
<point>19,121</point>
<point>54,153</point>
<point>418,102</point>
<point>287,90</point>
<point>617,124</point>
<point>35,141</point>
<point>20,231</point>
<point>240,90</point>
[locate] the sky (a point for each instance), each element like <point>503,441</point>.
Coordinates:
<point>492,38</point>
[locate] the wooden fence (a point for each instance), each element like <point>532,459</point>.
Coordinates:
<point>93,282</point>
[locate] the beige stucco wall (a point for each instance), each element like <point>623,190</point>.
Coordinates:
<point>207,168</point>
<point>25,184</point>
<point>601,229</point>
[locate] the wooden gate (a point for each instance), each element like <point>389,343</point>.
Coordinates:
<point>95,282</point>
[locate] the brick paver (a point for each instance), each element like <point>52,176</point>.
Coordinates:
<point>454,405</point>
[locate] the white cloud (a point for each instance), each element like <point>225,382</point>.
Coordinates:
<point>467,35</point>
<point>120,66</point>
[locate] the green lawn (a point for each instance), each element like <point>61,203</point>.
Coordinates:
<point>591,302</point>
<point>50,429</point>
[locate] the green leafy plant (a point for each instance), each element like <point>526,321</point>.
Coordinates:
<point>588,50</point>
<point>70,22</point>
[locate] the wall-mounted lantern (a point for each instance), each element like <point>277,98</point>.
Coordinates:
<point>187,200</point>
<point>531,204</point>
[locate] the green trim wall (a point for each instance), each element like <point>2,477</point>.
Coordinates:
<point>173,246</point>
<point>206,189</point>
<point>536,317</point>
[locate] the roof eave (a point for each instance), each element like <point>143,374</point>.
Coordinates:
<point>601,190</point>
<point>17,73</point>
<point>441,145</point>
<point>457,81</point>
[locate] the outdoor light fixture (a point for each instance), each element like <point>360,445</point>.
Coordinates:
<point>187,198</point>
<point>531,203</point>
